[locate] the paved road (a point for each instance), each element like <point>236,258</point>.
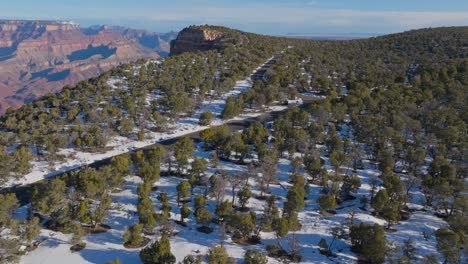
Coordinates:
<point>23,193</point>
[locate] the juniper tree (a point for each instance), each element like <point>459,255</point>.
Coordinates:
<point>158,253</point>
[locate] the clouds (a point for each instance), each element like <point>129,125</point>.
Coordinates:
<point>310,19</point>
<point>272,17</point>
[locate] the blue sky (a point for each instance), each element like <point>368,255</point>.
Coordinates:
<point>261,16</point>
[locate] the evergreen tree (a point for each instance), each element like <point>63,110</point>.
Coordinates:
<point>9,205</point>
<point>369,241</point>
<point>183,191</point>
<point>327,202</point>
<point>183,150</point>
<point>133,235</point>
<point>244,195</point>
<point>379,201</point>
<point>255,257</point>
<point>218,255</point>
<point>448,244</point>
<point>158,253</point>
<point>184,212</point>
<point>204,217</point>
<point>206,118</point>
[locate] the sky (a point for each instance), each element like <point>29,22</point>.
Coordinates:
<point>277,17</point>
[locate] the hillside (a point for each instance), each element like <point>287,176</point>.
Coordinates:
<point>364,163</point>
<point>40,57</point>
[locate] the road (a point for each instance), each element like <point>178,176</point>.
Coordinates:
<point>23,193</point>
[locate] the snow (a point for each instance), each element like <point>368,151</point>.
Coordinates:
<point>184,126</point>
<point>108,246</point>
<point>315,226</point>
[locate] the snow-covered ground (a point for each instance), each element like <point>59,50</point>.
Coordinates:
<point>108,246</point>
<point>120,145</point>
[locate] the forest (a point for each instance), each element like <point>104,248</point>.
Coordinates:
<point>393,105</point>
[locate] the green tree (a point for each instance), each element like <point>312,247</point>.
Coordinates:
<point>184,212</point>
<point>146,214</point>
<point>199,202</point>
<point>204,217</point>
<point>379,201</point>
<point>448,244</point>
<point>158,253</point>
<point>224,210</point>
<point>183,191</point>
<point>243,225</point>
<point>121,164</point>
<point>255,257</point>
<point>22,157</point>
<point>183,150</point>
<point>50,199</point>
<point>9,205</point>
<point>206,118</point>
<point>327,202</point>
<point>218,255</point>
<point>244,195</point>
<point>133,235</point>
<point>369,241</point>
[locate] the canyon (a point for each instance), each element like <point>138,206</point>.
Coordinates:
<point>40,57</point>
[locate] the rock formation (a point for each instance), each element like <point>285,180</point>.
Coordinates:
<point>40,57</point>
<point>202,38</point>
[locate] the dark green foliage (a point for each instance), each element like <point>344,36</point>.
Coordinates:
<point>244,195</point>
<point>448,244</point>
<point>206,118</point>
<point>184,212</point>
<point>158,253</point>
<point>9,205</point>
<point>183,150</point>
<point>218,255</point>
<point>204,216</point>
<point>133,235</point>
<point>327,202</point>
<point>255,257</point>
<point>183,190</point>
<point>243,225</point>
<point>232,108</point>
<point>379,201</point>
<point>369,242</point>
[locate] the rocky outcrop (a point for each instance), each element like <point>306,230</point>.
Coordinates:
<point>202,38</point>
<point>40,57</point>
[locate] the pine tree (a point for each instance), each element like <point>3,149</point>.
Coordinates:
<point>218,255</point>
<point>369,241</point>
<point>448,244</point>
<point>133,235</point>
<point>184,212</point>
<point>204,217</point>
<point>255,257</point>
<point>158,253</point>
<point>9,205</point>
<point>244,195</point>
<point>145,209</point>
<point>183,191</point>
<point>183,150</point>
<point>327,202</point>
<point>379,201</point>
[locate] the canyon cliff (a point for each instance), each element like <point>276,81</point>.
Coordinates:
<point>40,57</point>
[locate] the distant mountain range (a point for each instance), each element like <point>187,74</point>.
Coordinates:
<point>40,57</point>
